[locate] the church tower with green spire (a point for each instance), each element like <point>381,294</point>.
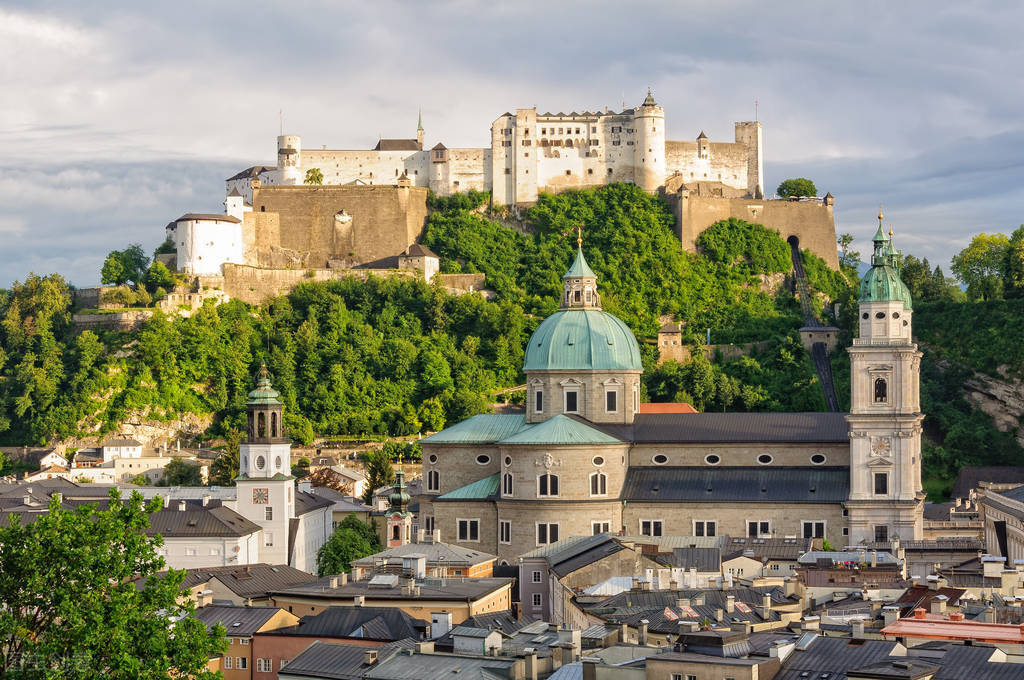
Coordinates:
<point>886,497</point>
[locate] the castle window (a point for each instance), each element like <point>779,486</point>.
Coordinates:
<point>572,400</point>
<point>818,459</point>
<point>712,459</point>
<point>507,487</point>
<point>705,527</point>
<point>601,527</point>
<point>576,295</point>
<point>651,527</point>
<point>527,142</point>
<point>433,481</point>
<point>757,528</point>
<point>543,131</point>
<point>593,128</point>
<point>469,529</point>
<point>433,458</point>
<point>611,401</point>
<point>568,172</point>
<point>813,529</point>
<point>764,459</point>
<point>590,171</point>
<point>598,484</point>
<point>577,130</point>
<point>538,401</point>
<point>881,391</point>
<point>504,531</point>
<point>483,459</point>
<point>547,485</point>
<point>881,483</point>
<point>609,171</point>
<point>547,533</point>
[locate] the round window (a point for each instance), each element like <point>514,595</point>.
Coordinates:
<point>864,315</point>
<point>432,458</point>
<point>764,459</point>
<point>895,315</point>
<point>712,459</point>
<point>879,315</point>
<point>598,461</point>
<point>660,459</point>
<point>277,462</point>
<point>483,460</point>
<point>508,460</point>
<point>261,462</point>
<point>818,459</point>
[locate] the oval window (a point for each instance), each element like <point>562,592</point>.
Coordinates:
<point>895,315</point>
<point>818,459</point>
<point>712,459</point>
<point>598,461</point>
<point>433,458</point>
<point>483,460</point>
<point>508,460</point>
<point>261,462</point>
<point>880,315</point>
<point>764,459</point>
<point>277,462</point>
<point>660,459</point>
<point>864,315</point>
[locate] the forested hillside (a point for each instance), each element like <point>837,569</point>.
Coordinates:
<point>399,357</point>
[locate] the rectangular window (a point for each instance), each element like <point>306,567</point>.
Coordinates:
<point>268,539</point>
<point>705,527</point>
<point>601,527</point>
<point>881,533</point>
<point>508,171</point>
<point>651,527</point>
<point>536,577</point>
<point>572,401</point>
<point>537,599</point>
<point>190,552</point>
<point>504,531</point>
<point>881,483</point>
<point>814,529</point>
<point>229,663</point>
<point>758,528</point>
<point>469,529</point>
<point>547,533</point>
<point>243,641</point>
<point>507,484</point>
<point>268,513</point>
<point>538,401</point>
<point>241,662</point>
<point>611,401</point>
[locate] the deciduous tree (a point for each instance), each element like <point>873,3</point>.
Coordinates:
<point>981,266</point>
<point>796,188</point>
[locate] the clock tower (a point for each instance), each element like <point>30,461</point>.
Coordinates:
<point>886,498</point>
<point>266,489</point>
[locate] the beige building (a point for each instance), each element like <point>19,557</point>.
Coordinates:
<point>585,459</point>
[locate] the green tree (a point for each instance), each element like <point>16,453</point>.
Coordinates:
<point>72,608</point>
<point>378,472</point>
<point>135,262</point>
<point>341,549</point>
<point>166,248</point>
<point>848,258</point>
<point>796,188</point>
<point>181,473</point>
<point>159,276</point>
<point>140,480</point>
<point>1014,269</point>
<point>367,531</point>
<point>301,468</point>
<point>224,468</point>
<point>113,269</point>
<point>981,266</point>
<point>314,176</point>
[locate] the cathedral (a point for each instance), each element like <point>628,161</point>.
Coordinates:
<point>585,458</point>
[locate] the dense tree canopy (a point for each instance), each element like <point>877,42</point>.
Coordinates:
<point>350,541</point>
<point>796,188</point>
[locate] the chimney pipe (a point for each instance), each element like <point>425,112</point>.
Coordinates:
<point>181,506</point>
<point>437,535</point>
<point>857,629</point>
<point>730,604</point>
<point>590,667</point>
<point>334,582</point>
<point>641,633</point>
<point>766,606</point>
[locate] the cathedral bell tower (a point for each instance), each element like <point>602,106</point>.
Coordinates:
<point>398,517</point>
<point>886,497</point>
<point>266,489</point>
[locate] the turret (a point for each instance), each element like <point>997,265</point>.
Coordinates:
<point>289,159</point>
<point>579,284</point>
<point>419,130</point>
<point>649,150</point>
<point>886,308</point>
<point>234,204</point>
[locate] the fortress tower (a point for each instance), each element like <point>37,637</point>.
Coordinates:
<point>886,498</point>
<point>289,159</point>
<point>649,150</point>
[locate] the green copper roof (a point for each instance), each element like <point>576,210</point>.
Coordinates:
<point>582,339</point>
<point>480,429</point>
<point>882,283</point>
<point>480,490</point>
<point>560,430</point>
<point>649,101</point>
<point>264,393</point>
<point>579,268</point>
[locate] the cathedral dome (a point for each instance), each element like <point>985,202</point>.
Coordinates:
<point>580,336</point>
<point>882,283</point>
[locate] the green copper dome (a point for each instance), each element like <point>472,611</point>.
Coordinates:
<point>582,339</point>
<point>264,393</point>
<point>882,283</point>
<point>580,268</point>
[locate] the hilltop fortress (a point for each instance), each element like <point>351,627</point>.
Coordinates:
<point>371,206</point>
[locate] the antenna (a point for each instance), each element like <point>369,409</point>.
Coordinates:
<point>755,110</point>
<point>280,117</point>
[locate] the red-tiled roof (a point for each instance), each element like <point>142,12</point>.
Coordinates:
<point>666,408</point>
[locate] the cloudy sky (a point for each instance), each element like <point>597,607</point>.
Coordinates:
<point>118,117</point>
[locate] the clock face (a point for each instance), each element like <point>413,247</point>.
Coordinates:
<point>261,496</point>
<point>880,447</point>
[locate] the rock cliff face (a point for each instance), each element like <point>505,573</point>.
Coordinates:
<point>152,433</point>
<point>1001,398</point>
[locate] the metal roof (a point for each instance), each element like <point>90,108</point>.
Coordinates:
<point>253,171</point>
<point>207,216</point>
<point>435,552</point>
<point>741,484</point>
<point>336,660</point>
<point>582,339</point>
<point>579,268</point>
<point>480,429</point>
<point>702,559</point>
<point>470,631</point>
<point>480,490</point>
<point>440,666</point>
<point>430,589</point>
<point>197,520</point>
<point>237,621</point>
<point>559,430</point>
<point>397,145</point>
<point>372,623</point>
<point>834,656</point>
<point>740,427</point>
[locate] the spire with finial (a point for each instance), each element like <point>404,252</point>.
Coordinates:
<point>419,124</point>
<point>649,101</point>
<point>580,281</point>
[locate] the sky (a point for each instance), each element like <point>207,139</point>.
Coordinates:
<point>116,118</point>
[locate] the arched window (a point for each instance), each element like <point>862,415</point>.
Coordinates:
<point>598,484</point>
<point>250,426</point>
<point>261,425</point>
<point>881,391</point>
<point>433,481</point>
<point>547,485</point>
<point>273,424</point>
<point>507,487</point>
<point>396,533</point>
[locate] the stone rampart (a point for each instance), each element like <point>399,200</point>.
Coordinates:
<point>114,321</point>
<point>87,297</point>
<point>682,353</point>
<point>255,284</point>
<point>812,222</point>
<point>463,283</point>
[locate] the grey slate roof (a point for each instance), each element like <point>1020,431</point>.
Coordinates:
<point>737,427</point>
<point>834,656</point>
<point>766,548</point>
<point>448,553</point>
<point>739,484</point>
<point>336,660</point>
<point>208,216</point>
<point>199,521</point>
<point>703,559</point>
<point>440,667</point>
<point>237,621</point>
<point>253,171</point>
<point>470,631</point>
<point>397,145</point>
<point>115,441</point>
<point>972,476</point>
<point>308,502</point>
<point>250,581</point>
<point>372,623</point>
<point>430,589</point>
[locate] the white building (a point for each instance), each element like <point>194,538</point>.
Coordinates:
<point>205,241</point>
<point>121,448</point>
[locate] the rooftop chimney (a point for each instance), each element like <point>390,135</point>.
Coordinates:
<point>334,582</point>
<point>421,536</point>
<point>730,604</point>
<point>369,657</point>
<point>181,506</point>
<point>766,606</point>
<point>939,605</point>
<point>358,600</point>
<point>641,632</point>
<point>437,535</point>
<point>590,667</point>
<point>919,613</point>
<point>206,499</point>
<point>857,629</point>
